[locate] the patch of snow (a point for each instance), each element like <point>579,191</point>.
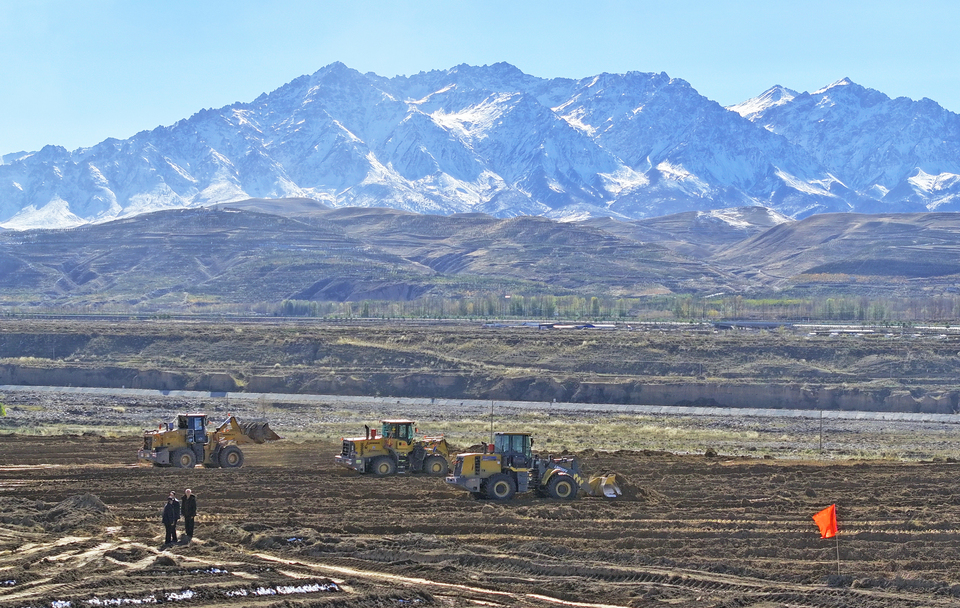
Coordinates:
<point>161,197</point>
<point>55,214</point>
<point>7,159</point>
<point>950,201</point>
<point>179,170</point>
<point>581,211</point>
<point>825,102</point>
<point>623,178</point>
<point>474,121</point>
<point>933,183</point>
<point>220,192</point>
<point>325,196</point>
<point>575,120</point>
<point>120,601</point>
<point>463,193</point>
<point>775,96</point>
<point>737,217</point>
<point>840,83</point>
<point>815,187</point>
<point>378,173</point>
<point>243,119</point>
<point>674,172</point>
<point>417,102</point>
<point>731,217</point>
<point>679,175</point>
<point>572,216</point>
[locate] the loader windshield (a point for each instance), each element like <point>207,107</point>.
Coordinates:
<point>513,444</point>
<point>394,430</point>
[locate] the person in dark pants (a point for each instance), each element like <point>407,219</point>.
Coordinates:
<point>189,510</point>
<point>171,513</point>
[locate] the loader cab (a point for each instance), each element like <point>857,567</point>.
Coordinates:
<point>195,426</point>
<point>398,429</point>
<point>516,449</point>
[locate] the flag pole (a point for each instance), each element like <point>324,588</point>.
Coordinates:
<point>826,520</point>
<point>838,553</point>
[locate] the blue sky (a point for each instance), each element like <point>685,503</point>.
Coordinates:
<point>75,72</point>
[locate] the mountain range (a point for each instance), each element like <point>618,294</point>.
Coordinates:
<point>497,141</point>
<point>252,255</point>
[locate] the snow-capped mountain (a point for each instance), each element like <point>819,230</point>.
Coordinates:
<point>495,140</point>
<point>900,154</point>
<point>772,97</point>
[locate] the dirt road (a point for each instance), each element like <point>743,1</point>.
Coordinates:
<point>80,526</point>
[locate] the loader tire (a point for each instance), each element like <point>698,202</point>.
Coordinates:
<point>231,457</point>
<point>383,466</point>
<point>184,458</point>
<point>563,487</point>
<point>500,487</point>
<point>435,466</point>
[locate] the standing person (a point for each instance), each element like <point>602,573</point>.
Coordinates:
<point>189,510</point>
<point>171,513</point>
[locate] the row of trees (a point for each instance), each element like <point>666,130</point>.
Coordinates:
<point>854,309</point>
<point>941,309</point>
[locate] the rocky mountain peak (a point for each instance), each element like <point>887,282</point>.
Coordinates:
<point>496,140</point>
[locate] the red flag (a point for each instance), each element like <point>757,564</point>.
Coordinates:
<point>826,520</point>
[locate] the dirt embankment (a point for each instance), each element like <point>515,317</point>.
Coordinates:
<point>873,372</point>
<point>455,386</point>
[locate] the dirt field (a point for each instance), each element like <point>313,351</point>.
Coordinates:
<point>80,526</point>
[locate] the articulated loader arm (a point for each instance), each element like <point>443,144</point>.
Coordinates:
<point>246,432</point>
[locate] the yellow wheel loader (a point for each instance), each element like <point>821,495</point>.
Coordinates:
<point>186,442</point>
<point>397,449</point>
<point>509,466</point>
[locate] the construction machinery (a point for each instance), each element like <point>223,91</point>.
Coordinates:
<point>397,449</point>
<point>508,466</point>
<point>186,442</point>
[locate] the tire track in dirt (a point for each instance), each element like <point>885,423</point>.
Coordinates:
<point>471,590</point>
<point>746,590</point>
<point>689,532</point>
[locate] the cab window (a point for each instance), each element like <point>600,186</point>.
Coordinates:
<point>517,444</point>
<point>403,432</point>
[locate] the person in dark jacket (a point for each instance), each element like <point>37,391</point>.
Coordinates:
<point>189,510</point>
<point>171,513</point>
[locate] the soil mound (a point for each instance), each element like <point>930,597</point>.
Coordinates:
<point>126,554</point>
<point>165,561</point>
<point>637,493</point>
<point>20,513</point>
<point>78,512</point>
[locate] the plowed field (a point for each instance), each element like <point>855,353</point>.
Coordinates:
<point>80,526</point>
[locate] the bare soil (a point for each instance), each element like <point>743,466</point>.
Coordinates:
<point>80,523</point>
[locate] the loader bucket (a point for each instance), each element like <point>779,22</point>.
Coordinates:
<point>259,432</point>
<point>603,485</point>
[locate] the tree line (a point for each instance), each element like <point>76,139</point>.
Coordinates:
<point>857,309</point>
